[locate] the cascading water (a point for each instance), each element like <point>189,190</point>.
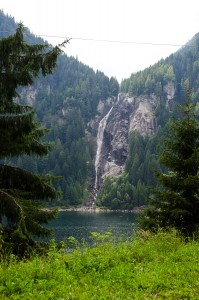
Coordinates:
<point>100,137</point>
<point>118,98</point>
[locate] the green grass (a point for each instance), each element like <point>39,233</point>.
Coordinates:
<point>150,266</point>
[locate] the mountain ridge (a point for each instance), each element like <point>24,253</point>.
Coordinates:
<point>160,87</point>
<point>73,100</point>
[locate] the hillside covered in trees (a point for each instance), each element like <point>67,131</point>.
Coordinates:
<point>167,82</point>
<point>66,102</point>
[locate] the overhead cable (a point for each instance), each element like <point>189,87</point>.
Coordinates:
<point>111,41</point>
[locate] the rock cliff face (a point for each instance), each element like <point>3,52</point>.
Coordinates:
<point>142,119</point>
<point>115,140</point>
<point>126,115</point>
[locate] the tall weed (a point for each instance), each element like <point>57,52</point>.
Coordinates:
<point>151,266</point>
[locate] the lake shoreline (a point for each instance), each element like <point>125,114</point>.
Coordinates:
<point>137,209</point>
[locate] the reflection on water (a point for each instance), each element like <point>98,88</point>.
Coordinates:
<point>81,224</point>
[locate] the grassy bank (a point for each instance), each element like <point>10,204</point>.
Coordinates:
<point>158,266</point>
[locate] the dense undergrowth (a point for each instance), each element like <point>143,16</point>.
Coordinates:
<point>148,266</point>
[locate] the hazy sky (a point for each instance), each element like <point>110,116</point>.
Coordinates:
<point>129,22</point>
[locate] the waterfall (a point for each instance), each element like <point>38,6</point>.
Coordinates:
<point>100,137</point>
<point>118,98</point>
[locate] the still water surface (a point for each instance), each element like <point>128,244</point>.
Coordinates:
<point>81,224</point>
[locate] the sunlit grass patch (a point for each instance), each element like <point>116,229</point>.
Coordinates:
<point>160,266</point>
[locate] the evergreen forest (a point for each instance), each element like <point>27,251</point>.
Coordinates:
<point>50,110</point>
<point>66,101</point>
<point>181,69</point>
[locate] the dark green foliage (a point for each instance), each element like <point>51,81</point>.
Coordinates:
<point>69,158</point>
<point>131,189</point>
<point>116,194</point>
<point>64,102</point>
<point>73,86</point>
<point>180,69</point>
<point>176,201</point>
<point>17,128</point>
<point>75,89</point>
<point>67,100</point>
<point>20,213</point>
<point>151,80</point>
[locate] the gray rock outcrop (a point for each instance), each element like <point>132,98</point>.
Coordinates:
<point>128,114</point>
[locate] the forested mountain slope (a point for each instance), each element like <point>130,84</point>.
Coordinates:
<point>74,99</point>
<point>152,94</point>
<point>64,103</point>
<point>179,68</point>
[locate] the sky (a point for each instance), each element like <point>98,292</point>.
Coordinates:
<point>117,37</point>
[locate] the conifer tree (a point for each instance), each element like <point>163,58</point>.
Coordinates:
<point>21,215</point>
<point>175,202</point>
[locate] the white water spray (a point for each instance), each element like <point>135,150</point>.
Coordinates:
<point>118,98</point>
<point>100,137</point>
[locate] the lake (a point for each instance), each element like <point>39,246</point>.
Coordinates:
<point>81,224</point>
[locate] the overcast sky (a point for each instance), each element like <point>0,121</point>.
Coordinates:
<point>124,22</point>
